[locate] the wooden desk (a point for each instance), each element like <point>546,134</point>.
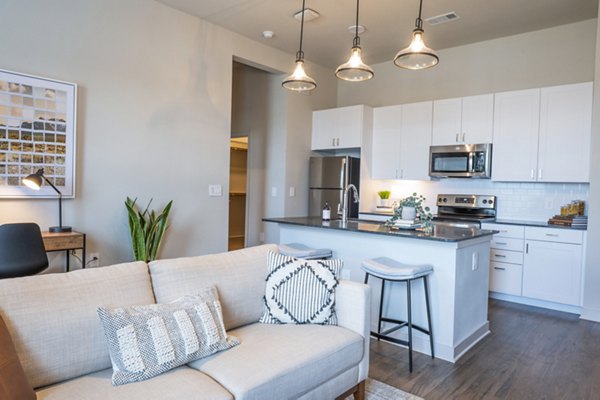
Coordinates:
<point>65,241</point>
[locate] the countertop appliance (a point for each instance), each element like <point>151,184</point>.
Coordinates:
<point>461,161</point>
<point>465,210</point>
<point>328,177</point>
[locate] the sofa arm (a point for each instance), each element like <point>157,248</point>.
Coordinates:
<point>353,309</point>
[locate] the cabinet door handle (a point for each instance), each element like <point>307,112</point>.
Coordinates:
<point>333,142</point>
<point>527,248</point>
<point>532,173</point>
<point>552,234</point>
<point>502,243</point>
<point>463,137</point>
<point>500,268</point>
<point>499,255</point>
<point>456,140</point>
<point>540,173</point>
<point>401,174</point>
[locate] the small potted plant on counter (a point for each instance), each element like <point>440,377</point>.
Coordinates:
<point>411,209</point>
<point>384,198</point>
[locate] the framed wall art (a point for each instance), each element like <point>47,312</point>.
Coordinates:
<point>37,130</point>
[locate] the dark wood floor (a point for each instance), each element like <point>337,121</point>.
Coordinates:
<point>532,353</point>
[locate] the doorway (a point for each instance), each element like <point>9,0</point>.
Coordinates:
<point>238,183</point>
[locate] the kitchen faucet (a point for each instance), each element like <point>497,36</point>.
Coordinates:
<point>345,202</point>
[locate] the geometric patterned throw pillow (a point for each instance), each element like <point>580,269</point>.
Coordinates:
<point>145,341</point>
<point>300,291</point>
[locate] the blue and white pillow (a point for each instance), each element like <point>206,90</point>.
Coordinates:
<point>145,341</point>
<point>300,291</point>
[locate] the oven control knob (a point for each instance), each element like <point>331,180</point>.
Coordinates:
<point>491,201</point>
<point>484,201</point>
<point>445,200</point>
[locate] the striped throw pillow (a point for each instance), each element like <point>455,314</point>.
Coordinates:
<point>145,341</point>
<point>300,291</point>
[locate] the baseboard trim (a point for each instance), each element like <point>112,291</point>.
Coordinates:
<point>590,314</point>
<point>471,340</point>
<point>536,303</point>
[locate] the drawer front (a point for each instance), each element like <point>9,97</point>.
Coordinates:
<point>554,235</point>
<point>506,278</point>
<point>506,256</point>
<point>503,243</point>
<point>510,231</point>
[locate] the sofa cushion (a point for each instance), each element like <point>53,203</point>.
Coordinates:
<point>52,318</point>
<point>239,277</point>
<point>146,341</point>
<point>182,383</point>
<point>13,382</point>
<point>282,361</point>
<point>300,291</point>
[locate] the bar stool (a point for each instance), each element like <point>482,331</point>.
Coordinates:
<point>391,270</point>
<point>299,250</point>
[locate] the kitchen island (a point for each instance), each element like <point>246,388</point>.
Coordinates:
<point>458,285</point>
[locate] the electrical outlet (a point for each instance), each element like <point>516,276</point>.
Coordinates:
<point>93,260</point>
<point>292,191</point>
<point>215,190</point>
<point>475,262</point>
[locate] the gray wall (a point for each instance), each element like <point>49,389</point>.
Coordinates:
<point>591,300</point>
<point>559,55</point>
<point>154,111</point>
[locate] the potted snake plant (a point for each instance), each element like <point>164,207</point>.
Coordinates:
<point>147,229</point>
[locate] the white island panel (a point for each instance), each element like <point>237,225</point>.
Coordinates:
<point>458,285</point>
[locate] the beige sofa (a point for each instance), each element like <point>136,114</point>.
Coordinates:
<point>60,342</point>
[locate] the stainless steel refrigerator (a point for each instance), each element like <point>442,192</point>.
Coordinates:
<point>329,176</point>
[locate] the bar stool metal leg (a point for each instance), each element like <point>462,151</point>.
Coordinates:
<point>409,320</point>
<point>380,307</point>
<point>426,287</point>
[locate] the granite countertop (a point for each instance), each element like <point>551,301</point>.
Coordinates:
<point>439,233</point>
<point>541,224</point>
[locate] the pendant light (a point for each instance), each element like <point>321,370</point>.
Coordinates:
<point>298,81</point>
<point>417,55</point>
<point>354,70</point>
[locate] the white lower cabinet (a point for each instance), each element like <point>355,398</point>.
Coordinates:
<point>551,269</point>
<point>506,278</point>
<point>506,259</point>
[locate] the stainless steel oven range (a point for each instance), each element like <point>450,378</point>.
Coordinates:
<point>465,210</point>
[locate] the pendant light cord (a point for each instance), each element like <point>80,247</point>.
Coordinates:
<point>356,41</point>
<point>300,53</point>
<point>419,22</point>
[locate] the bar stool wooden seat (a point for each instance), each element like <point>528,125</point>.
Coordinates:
<point>299,250</point>
<point>388,269</point>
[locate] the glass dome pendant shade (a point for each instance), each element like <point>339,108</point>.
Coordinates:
<point>417,55</point>
<point>355,70</point>
<point>299,81</point>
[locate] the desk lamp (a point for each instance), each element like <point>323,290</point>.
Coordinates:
<point>34,181</point>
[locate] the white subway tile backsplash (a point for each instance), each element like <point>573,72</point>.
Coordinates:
<point>521,201</point>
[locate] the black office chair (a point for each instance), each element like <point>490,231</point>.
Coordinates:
<point>22,250</point>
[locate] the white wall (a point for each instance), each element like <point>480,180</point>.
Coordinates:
<point>591,299</point>
<point>154,111</point>
<point>559,55</point>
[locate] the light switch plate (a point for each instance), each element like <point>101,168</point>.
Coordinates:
<point>292,191</point>
<point>215,190</point>
<point>274,191</point>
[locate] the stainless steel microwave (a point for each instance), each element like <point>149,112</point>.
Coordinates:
<point>461,161</point>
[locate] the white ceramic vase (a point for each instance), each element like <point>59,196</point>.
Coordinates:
<point>408,213</point>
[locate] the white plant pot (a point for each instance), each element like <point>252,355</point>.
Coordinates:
<point>384,202</point>
<point>409,213</point>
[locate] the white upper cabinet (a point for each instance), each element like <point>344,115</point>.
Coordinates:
<point>565,133</point>
<point>516,127</point>
<point>466,120</point>
<point>401,140</point>
<point>385,159</point>
<point>338,128</point>
<point>543,135</point>
<point>415,140</point>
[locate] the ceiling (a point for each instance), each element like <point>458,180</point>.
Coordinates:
<point>388,22</point>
